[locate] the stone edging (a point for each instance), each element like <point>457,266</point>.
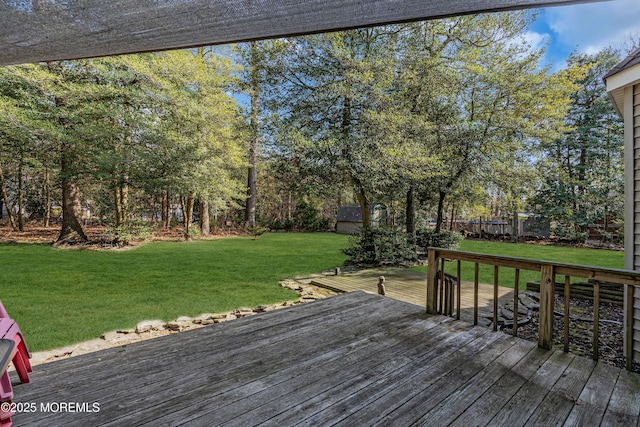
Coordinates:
<point>148,329</point>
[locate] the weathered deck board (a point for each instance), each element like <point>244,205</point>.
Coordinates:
<point>492,401</point>
<point>525,401</point>
<point>592,402</point>
<point>624,405</point>
<point>411,286</point>
<point>352,359</point>
<point>563,396</point>
<point>458,401</point>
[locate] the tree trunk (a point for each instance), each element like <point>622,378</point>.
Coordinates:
<point>410,215</point>
<point>365,209</point>
<point>183,205</point>
<point>165,209</point>
<point>6,202</point>
<point>116,205</point>
<point>514,234</point>
<point>441,197</point>
<point>250,213</point>
<point>188,214</point>
<point>205,227</point>
<point>47,198</point>
<point>453,214</point>
<point>20,193</point>
<point>124,203</point>
<point>72,231</point>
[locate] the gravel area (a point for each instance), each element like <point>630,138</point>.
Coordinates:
<point>610,340</point>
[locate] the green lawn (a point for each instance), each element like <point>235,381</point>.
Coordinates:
<point>60,297</point>
<point>583,256</point>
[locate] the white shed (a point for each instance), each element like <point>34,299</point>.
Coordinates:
<point>623,87</point>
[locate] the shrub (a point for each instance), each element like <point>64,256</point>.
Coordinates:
<point>381,246</point>
<point>307,218</point>
<point>124,234</point>
<point>444,239</point>
<point>569,234</point>
<point>194,232</point>
<point>256,231</point>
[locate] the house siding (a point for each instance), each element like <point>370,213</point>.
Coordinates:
<point>632,126</point>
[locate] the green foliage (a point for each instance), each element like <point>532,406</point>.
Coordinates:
<point>445,239</point>
<point>83,294</point>
<point>381,246</point>
<point>569,234</point>
<point>193,233</point>
<point>307,219</point>
<point>124,129</point>
<point>256,231</point>
<point>124,234</point>
<point>583,169</point>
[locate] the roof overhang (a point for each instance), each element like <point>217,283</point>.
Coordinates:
<point>45,30</point>
<point>616,83</point>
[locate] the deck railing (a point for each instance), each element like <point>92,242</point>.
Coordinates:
<point>440,297</point>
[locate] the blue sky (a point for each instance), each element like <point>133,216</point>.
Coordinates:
<point>586,28</point>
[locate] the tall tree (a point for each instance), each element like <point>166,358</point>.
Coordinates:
<point>330,83</point>
<point>194,150</point>
<point>254,136</point>
<point>583,168</point>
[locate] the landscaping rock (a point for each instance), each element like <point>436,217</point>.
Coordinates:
<point>203,319</point>
<point>180,324</point>
<point>154,328</point>
<point>115,337</point>
<point>149,325</point>
<point>244,312</point>
<point>506,313</point>
<point>522,309</point>
<point>529,299</point>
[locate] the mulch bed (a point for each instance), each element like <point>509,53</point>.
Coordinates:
<point>611,349</point>
<point>35,233</point>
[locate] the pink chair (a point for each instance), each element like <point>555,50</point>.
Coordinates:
<point>9,330</point>
<point>7,352</point>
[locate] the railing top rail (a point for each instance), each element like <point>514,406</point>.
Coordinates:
<point>612,275</point>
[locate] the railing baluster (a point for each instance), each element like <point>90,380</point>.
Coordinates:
<point>442,287</point>
<point>458,286</point>
<point>628,300</point>
<point>432,281</point>
<point>495,298</point>
<point>596,317</point>
<point>548,272</point>
<point>475,295</point>
<point>567,284</point>
<point>516,302</point>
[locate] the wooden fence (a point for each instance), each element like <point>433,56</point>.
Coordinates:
<point>440,293</point>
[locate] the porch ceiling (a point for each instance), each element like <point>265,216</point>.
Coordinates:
<point>39,30</point>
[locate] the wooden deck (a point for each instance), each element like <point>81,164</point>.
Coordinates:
<point>411,286</point>
<point>354,359</point>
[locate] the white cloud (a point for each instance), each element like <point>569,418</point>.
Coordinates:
<point>591,27</point>
<point>536,40</point>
